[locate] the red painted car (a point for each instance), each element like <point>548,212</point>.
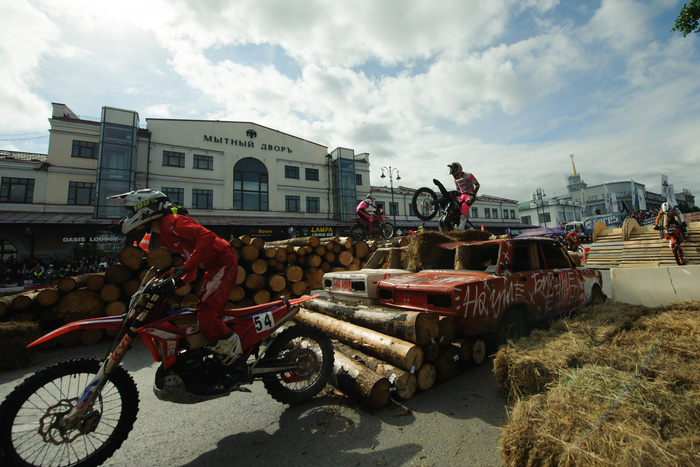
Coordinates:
<point>496,287</point>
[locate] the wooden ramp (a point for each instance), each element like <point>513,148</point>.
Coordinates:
<point>633,245</point>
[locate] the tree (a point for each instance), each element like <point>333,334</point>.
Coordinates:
<point>687,20</point>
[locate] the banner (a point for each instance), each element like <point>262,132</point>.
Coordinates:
<point>664,187</point>
<point>583,198</point>
<point>608,199</point>
<point>613,201</point>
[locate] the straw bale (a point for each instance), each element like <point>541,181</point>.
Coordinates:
<point>14,337</point>
<point>624,392</point>
<point>421,246</point>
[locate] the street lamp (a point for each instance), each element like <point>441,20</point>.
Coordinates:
<point>540,194</point>
<point>391,170</point>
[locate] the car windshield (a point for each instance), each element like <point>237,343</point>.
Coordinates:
<point>477,257</point>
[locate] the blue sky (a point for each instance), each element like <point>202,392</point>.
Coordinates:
<point>509,88</point>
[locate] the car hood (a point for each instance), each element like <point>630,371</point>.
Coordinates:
<point>435,279</point>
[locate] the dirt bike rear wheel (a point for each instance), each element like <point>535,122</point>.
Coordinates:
<point>357,232</point>
<point>424,203</point>
<point>387,230</point>
<point>309,346</point>
<point>30,415</point>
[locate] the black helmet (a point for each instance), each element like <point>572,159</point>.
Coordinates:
<point>455,169</point>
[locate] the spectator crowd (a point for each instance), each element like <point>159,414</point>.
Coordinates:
<point>45,271</point>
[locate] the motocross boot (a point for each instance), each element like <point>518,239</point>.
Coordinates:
<point>228,348</point>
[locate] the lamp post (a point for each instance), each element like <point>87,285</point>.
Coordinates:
<point>540,194</point>
<point>391,170</point>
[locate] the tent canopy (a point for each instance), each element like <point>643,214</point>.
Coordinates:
<point>542,231</point>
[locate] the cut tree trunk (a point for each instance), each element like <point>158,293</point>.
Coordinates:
<point>115,274</point>
<point>132,257</point>
<point>447,365</point>
<point>71,283</point>
<point>426,376</point>
<point>479,351</point>
<point>160,258</point>
<point>404,382</point>
<point>48,296</point>
<point>359,381</point>
<point>405,355</point>
<point>447,330</point>
<point>418,327</point>
<point>77,305</point>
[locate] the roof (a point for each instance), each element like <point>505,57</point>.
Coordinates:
<point>53,218</point>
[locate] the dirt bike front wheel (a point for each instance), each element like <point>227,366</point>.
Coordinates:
<point>32,427</point>
<point>425,204</point>
<point>678,255</point>
<point>357,232</point>
<point>387,230</point>
<point>309,347</point>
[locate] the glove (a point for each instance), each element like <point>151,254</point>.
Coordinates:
<point>181,274</point>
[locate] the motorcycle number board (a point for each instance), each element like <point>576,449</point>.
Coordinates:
<point>263,321</point>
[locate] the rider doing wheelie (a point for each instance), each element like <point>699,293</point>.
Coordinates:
<point>468,185</point>
<point>362,210</point>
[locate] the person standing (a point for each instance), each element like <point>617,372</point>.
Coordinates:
<point>468,186</point>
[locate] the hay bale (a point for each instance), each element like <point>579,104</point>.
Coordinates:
<point>14,337</point>
<point>421,246</point>
<point>620,386</point>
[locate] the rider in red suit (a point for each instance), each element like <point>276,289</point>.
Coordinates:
<point>468,185</point>
<point>362,211</point>
<point>178,233</point>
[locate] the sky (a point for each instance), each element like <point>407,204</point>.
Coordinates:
<point>508,88</point>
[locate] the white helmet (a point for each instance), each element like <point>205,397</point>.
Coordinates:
<point>144,206</point>
<point>665,207</point>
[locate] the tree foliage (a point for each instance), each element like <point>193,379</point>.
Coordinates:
<point>687,20</point>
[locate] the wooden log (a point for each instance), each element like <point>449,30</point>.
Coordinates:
<point>130,287</point>
<point>426,376</point>
<point>68,284</point>
<point>261,296</point>
<point>359,381</point>
<point>479,351</point>
<point>298,241</point>
<point>110,293</point>
<point>276,282</point>
<point>90,336</point>
<point>79,304</point>
<point>395,259</point>
<point>281,255</point>
<point>345,258</point>
<point>299,288</point>
<point>294,273</point>
<point>160,258</point>
<point>447,365</point>
<point>259,266</point>
<point>5,305</point>
<point>313,261</point>
<point>254,282</point>
<point>432,351</point>
<point>115,308</point>
<point>237,294</point>
<point>48,296</point>
<point>447,330</point>
<point>362,249</point>
<point>269,252</point>
<point>249,253</point>
<point>418,327</point>
<point>22,317</point>
<point>95,281</point>
<point>116,274</point>
<point>24,300</point>
<point>404,382</point>
<point>465,347</point>
<point>403,354</point>
<point>240,277</point>
<point>132,257</point>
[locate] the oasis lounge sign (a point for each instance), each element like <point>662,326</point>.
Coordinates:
<point>100,239</point>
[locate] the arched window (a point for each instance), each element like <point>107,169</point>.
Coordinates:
<point>250,185</point>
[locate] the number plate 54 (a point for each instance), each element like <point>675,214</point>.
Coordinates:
<point>263,321</point>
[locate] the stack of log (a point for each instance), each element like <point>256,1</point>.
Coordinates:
<point>266,271</point>
<point>382,351</point>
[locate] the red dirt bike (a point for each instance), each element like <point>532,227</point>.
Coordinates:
<point>674,235</point>
<point>380,227</point>
<point>427,204</point>
<point>79,412</point>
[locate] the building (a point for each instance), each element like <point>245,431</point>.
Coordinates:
<point>234,177</point>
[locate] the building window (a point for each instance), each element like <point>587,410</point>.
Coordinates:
<point>312,174</point>
<point>379,204</point>
<point>544,218</point>
<point>475,212</point>
<point>17,190</point>
<point>174,159</point>
<point>526,220</point>
<point>292,203</point>
<point>250,185</point>
<point>512,213</point>
<point>81,193</point>
<point>84,149</point>
<point>393,209</point>
<point>358,179</point>
<point>175,194</point>
<point>202,199</point>
<point>487,213</point>
<point>495,213</point>
<point>202,162</point>
<point>291,172</point>
<point>411,212</point>
<point>313,204</point>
